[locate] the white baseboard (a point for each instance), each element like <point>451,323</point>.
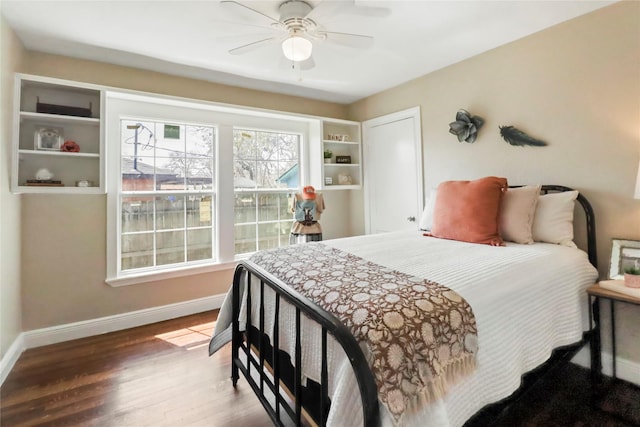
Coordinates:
<point>102,325</point>
<point>625,369</point>
<point>117,322</point>
<point>11,357</point>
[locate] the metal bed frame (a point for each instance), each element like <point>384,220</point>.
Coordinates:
<point>279,385</point>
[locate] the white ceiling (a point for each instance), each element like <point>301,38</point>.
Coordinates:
<point>192,39</point>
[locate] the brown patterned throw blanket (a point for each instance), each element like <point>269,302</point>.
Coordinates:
<point>421,336</point>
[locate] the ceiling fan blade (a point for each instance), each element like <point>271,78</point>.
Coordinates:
<point>328,8</point>
<point>243,9</point>
<point>358,41</point>
<point>252,46</point>
<point>324,10</point>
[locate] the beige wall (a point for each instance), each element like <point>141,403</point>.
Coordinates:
<point>10,305</point>
<point>576,86</point>
<point>63,237</point>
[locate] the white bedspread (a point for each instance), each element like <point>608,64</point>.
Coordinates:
<point>527,300</point>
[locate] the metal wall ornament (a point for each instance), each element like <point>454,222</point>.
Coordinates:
<point>466,126</point>
<point>518,138</point>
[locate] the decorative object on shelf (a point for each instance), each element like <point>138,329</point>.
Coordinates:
<point>84,183</point>
<point>44,174</point>
<point>343,159</point>
<point>62,109</point>
<point>48,138</point>
<point>466,127</point>
<point>328,180</point>
<point>44,178</point>
<point>518,138</point>
<point>327,156</point>
<point>338,137</point>
<point>632,276</point>
<point>625,254</point>
<point>70,147</point>
<point>344,179</point>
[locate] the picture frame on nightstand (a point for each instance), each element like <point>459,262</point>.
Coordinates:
<point>624,253</point>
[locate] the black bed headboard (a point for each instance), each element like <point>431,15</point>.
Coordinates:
<point>589,215</point>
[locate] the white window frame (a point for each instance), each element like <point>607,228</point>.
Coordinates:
<point>224,118</point>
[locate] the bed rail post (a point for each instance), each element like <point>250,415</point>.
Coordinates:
<point>235,325</point>
<point>328,324</point>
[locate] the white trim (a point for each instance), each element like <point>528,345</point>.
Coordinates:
<point>627,370</point>
<point>409,113</point>
<point>117,322</point>
<point>11,357</point>
<point>154,276</point>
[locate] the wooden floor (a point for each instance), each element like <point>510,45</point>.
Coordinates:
<point>161,375</point>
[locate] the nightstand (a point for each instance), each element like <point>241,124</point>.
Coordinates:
<point>597,292</point>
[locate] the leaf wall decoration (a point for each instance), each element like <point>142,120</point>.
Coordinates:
<point>518,138</point>
<point>466,126</point>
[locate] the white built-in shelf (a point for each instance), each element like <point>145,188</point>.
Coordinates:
<point>87,132</point>
<point>342,138</point>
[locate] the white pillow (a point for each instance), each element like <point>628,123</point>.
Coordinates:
<point>553,221</point>
<point>426,221</point>
<point>517,210</point>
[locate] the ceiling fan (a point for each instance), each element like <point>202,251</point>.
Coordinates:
<point>297,28</point>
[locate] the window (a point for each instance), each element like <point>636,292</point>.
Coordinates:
<point>265,171</point>
<point>194,186</point>
<point>167,194</point>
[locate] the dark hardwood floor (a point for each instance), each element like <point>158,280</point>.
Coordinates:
<point>161,375</point>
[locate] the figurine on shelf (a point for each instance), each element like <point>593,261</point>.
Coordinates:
<point>70,147</point>
<point>44,174</point>
<point>306,208</point>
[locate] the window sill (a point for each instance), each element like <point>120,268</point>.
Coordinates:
<point>169,274</point>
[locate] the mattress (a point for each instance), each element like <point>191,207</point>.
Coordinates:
<point>527,300</point>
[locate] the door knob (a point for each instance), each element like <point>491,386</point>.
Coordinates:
<point>411,219</point>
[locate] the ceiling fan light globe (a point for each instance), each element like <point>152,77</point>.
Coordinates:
<point>296,48</point>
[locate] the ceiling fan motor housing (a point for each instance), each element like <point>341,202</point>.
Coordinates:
<point>292,15</point>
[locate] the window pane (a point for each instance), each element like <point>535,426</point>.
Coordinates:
<point>199,173</point>
<point>285,204</point>
<point>245,238</point>
<point>169,212</point>
<point>199,142</point>
<point>245,174</point>
<point>199,244</point>
<point>137,138</point>
<point>136,251</point>
<point>137,173</point>
<point>199,211</point>
<point>137,214</point>
<point>269,207</point>
<point>170,173</point>
<point>245,208</point>
<point>244,146</point>
<point>169,247</point>
<point>288,148</point>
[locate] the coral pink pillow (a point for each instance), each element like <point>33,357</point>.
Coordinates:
<point>468,210</point>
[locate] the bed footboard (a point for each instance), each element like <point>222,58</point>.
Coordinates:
<point>280,390</point>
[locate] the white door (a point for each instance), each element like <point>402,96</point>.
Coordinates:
<point>393,171</point>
